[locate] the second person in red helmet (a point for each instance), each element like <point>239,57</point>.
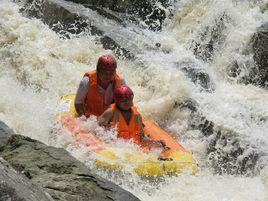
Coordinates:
<point>124,116</point>
<point>96,90</point>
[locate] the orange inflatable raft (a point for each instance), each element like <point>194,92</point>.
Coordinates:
<point>171,161</point>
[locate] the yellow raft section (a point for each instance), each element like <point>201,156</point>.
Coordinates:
<point>175,161</point>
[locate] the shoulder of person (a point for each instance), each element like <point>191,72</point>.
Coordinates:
<point>85,81</point>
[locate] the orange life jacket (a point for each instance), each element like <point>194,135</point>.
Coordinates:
<point>131,130</point>
<point>94,102</point>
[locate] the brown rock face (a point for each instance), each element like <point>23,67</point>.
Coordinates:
<point>55,171</point>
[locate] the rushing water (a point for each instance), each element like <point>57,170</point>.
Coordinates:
<point>38,67</point>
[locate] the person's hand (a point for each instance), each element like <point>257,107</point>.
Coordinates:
<point>162,143</point>
<point>83,118</point>
<point>159,143</point>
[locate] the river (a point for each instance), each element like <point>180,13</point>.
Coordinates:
<point>38,67</point>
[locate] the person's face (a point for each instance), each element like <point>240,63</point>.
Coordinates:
<point>126,104</point>
<point>106,76</point>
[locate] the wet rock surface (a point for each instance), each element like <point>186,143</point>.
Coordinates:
<point>227,152</point>
<point>211,38</point>
<point>260,50</point>
<point>101,18</point>
<point>15,186</point>
<point>197,75</point>
<point>257,49</point>
<point>70,19</point>
<point>264,7</point>
<point>55,171</point>
<point>152,12</point>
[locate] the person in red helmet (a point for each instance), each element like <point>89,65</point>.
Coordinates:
<point>124,116</point>
<point>96,89</point>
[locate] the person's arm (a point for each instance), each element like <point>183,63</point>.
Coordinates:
<point>153,143</point>
<point>81,96</point>
<point>106,117</point>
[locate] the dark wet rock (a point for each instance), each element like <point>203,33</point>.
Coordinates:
<point>201,123</point>
<point>105,19</point>
<point>227,151</point>
<point>17,187</point>
<point>148,11</point>
<point>58,173</point>
<point>190,104</point>
<point>57,17</point>
<point>258,66</point>
<point>211,38</point>
<point>197,120</point>
<point>121,18</point>
<point>152,14</point>
<point>260,50</point>
<point>233,69</point>
<point>264,7</point>
<point>5,133</point>
<point>228,154</point>
<point>70,19</point>
<point>73,20</point>
<point>197,75</point>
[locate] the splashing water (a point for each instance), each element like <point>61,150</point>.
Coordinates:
<point>38,67</point>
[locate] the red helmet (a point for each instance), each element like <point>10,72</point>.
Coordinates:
<point>107,62</point>
<point>122,93</point>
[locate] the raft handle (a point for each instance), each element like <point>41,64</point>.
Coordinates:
<point>160,158</point>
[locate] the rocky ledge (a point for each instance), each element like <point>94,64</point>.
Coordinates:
<point>31,170</point>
